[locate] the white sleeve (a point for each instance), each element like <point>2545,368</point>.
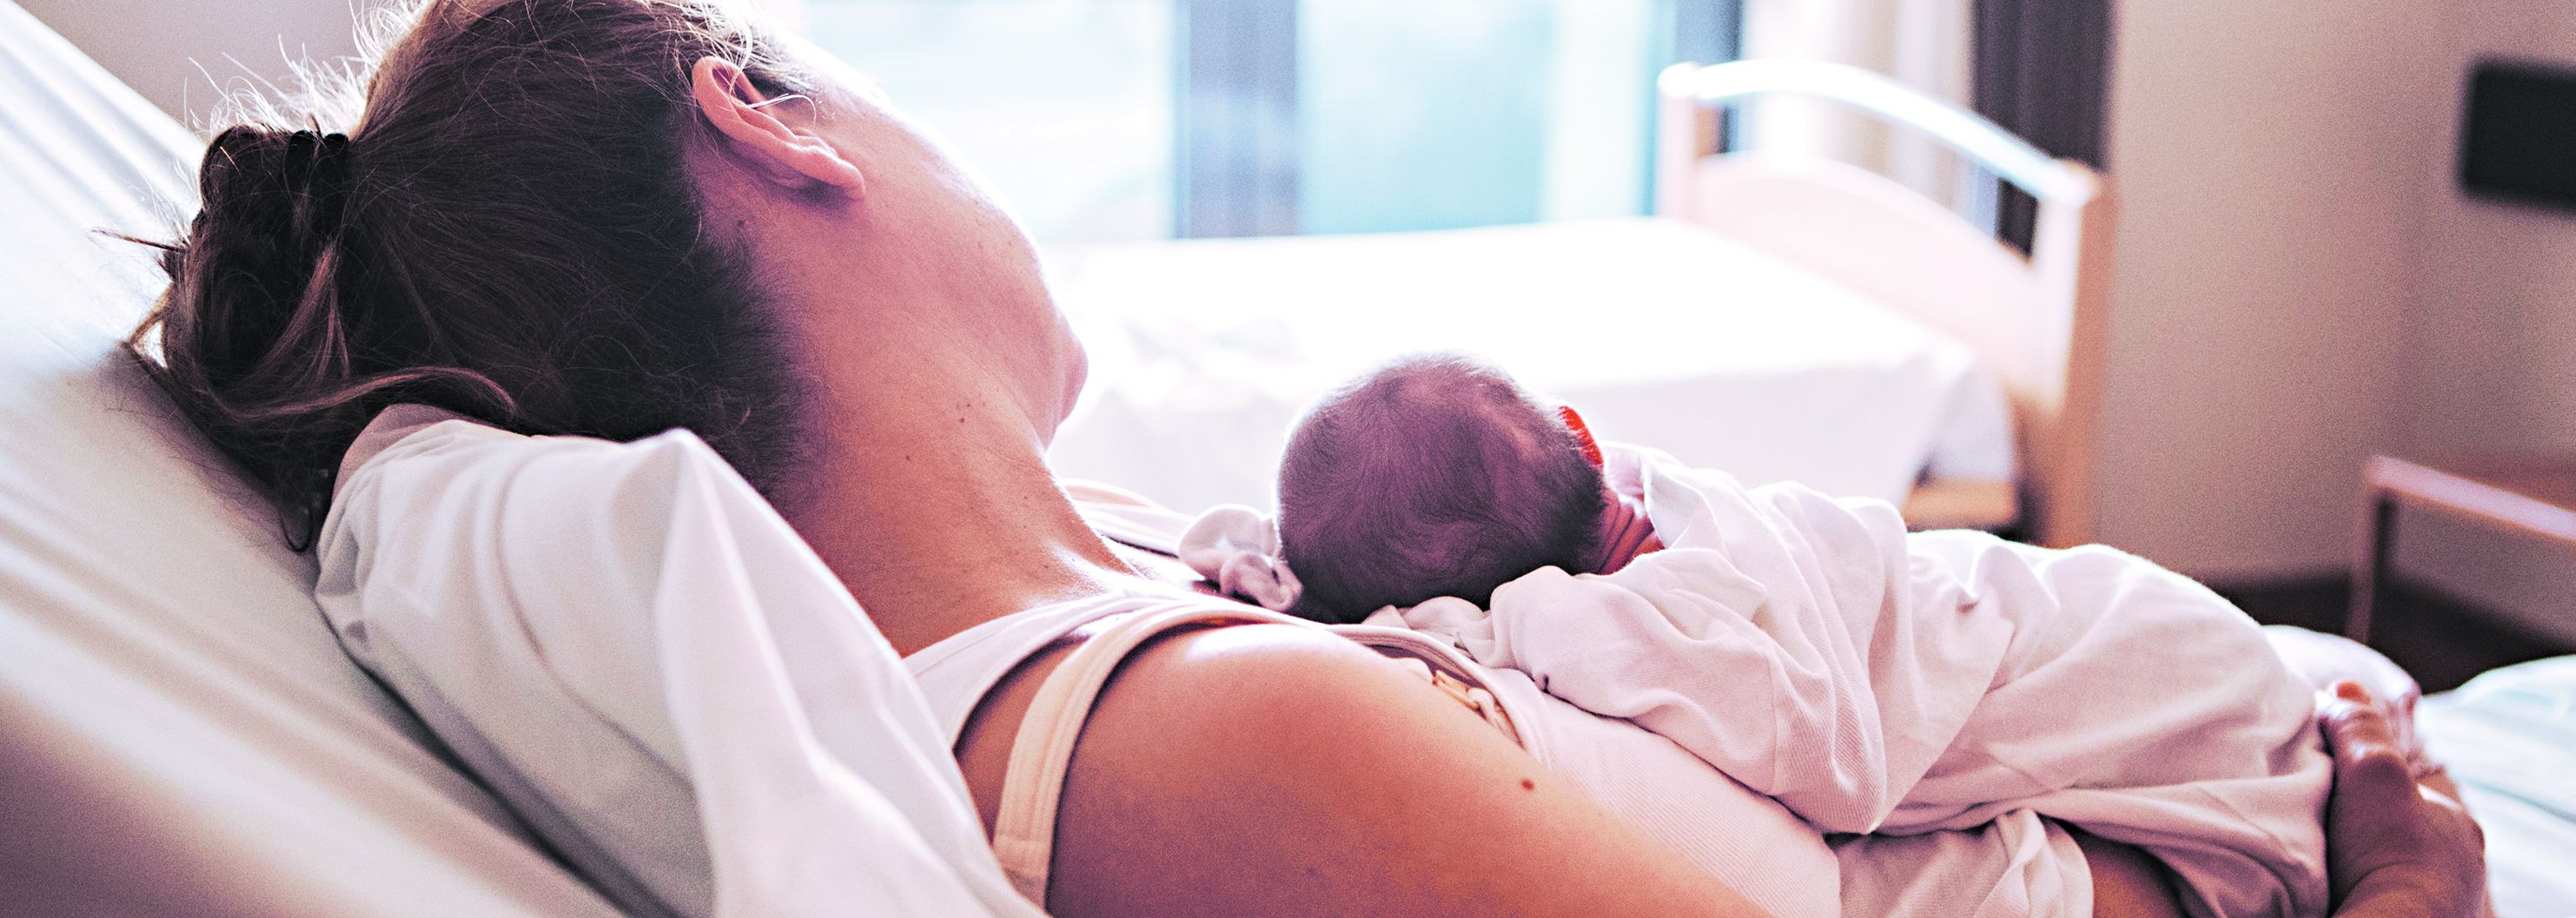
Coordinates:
<point>647,663</point>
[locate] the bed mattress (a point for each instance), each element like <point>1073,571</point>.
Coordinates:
<point>1662,333</point>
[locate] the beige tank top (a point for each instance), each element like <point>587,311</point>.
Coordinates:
<point>956,673</point>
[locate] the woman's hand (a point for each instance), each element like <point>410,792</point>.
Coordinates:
<point>2394,845</point>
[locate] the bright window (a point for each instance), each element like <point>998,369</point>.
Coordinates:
<point>1139,119</point>
<point>1064,105</point>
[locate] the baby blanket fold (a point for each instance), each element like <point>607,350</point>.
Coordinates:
<point>1878,681</point>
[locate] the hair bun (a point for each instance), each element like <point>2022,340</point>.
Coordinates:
<point>475,252</point>
<point>286,185</point>
<point>272,206</point>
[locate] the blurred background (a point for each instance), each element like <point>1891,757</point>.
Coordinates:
<point>2300,282</point>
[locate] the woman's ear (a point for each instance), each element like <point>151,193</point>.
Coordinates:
<point>788,155</point>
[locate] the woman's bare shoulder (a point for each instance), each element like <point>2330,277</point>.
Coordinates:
<point>1267,769</point>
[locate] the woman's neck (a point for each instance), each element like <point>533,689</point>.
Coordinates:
<point>940,520</point>
<point>930,496</point>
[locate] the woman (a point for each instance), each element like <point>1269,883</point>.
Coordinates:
<point>614,217</point>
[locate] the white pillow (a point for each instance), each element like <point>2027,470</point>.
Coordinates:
<point>182,735</point>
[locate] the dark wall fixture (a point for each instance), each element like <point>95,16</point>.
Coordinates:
<point>2518,133</point>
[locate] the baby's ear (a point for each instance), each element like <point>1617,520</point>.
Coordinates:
<point>1582,434</point>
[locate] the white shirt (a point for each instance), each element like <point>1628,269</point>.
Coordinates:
<point>644,661</point>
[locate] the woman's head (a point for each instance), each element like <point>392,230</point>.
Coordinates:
<point>1434,476</point>
<point>539,217</point>
<point>508,230</point>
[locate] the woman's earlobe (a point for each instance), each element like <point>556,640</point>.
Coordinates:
<point>748,124</point>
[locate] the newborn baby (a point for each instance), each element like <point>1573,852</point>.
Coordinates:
<point>1869,679</point>
<point>1439,476</point>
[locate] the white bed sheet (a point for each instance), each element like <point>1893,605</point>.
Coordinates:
<point>1204,351</point>
<point>2509,738</point>
<point>179,732</point>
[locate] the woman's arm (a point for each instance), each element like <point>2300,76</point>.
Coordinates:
<point>1261,770</point>
<point>1265,770</point>
<point>2126,882</point>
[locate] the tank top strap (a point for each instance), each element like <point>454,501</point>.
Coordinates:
<point>1033,783</point>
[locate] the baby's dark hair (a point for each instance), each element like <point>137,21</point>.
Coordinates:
<point>1436,475</point>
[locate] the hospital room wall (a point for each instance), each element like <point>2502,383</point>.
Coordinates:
<point>2490,365</point>
<point>158,46</point>
<point>2268,155</point>
<point>2300,283</point>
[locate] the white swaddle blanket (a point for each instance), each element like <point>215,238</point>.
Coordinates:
<point>1876,681</point>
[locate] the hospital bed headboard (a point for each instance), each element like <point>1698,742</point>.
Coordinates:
<point>2038,322</point>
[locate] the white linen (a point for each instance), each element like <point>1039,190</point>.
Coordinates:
<point>642,657</point>
<point>1203,351</point>
<point>179,734</point>
<point>1876,681</point>
<point>2019,864</point>
<point>2509,739</point>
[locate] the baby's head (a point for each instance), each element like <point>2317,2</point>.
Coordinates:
<point>1434,476</point>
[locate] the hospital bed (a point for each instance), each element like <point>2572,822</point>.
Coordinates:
<point>1778,318</point>
<point>180,734</point>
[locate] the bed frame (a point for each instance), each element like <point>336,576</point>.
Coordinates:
<point>2038,322</point>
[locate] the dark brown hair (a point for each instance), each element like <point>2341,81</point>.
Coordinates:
<point>507,230</point>
<point>1434,476</point>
